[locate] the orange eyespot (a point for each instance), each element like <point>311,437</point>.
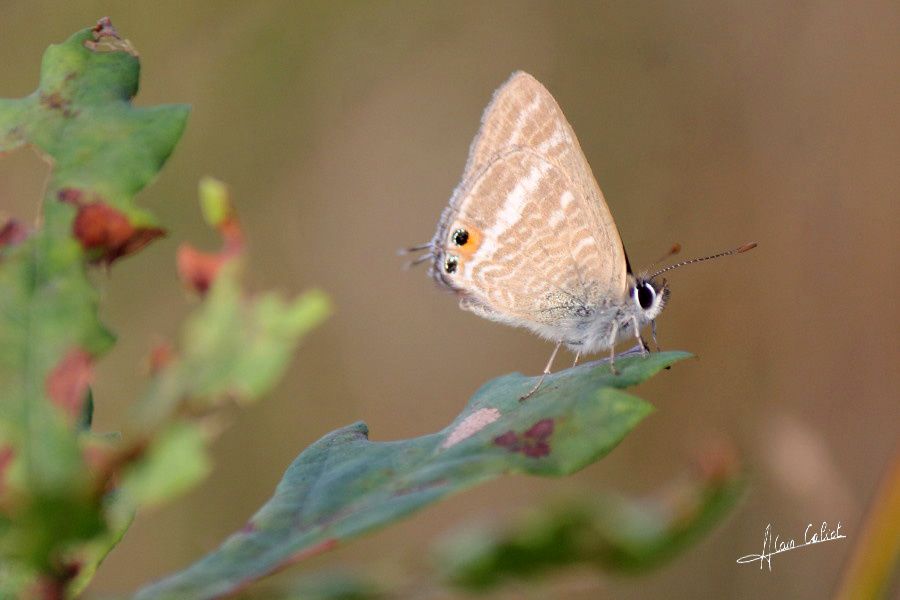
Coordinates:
<point>464,240</point>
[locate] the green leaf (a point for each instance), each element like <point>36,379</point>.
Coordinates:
<point>119,513</point>
<point>102,148</point>
<point>175,461</point>
<point>344,485</point>
<point>47,308</point>
<point>234,347</point>
<point>214,201</point>
<point>102,152</point>
<point>237,346</point>
<point>610,533</point>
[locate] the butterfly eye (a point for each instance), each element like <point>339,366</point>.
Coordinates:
<point>460,237</point>
<point>645,295</point>
<point>451,264</point>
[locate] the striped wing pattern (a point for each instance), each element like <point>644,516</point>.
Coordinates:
<point>542,249</point>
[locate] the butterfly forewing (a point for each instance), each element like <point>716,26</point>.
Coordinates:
<point>540,245</point>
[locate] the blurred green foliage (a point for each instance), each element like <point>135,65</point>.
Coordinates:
<point>609,532</point>
<point>61,510</point>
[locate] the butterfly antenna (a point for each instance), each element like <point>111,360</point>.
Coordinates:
<point>411,249</point>
<point>738,250</point>
<point>675,249</point>
<point>417,261</point>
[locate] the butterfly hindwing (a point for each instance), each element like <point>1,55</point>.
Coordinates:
<point>530,256</point>
<point>540,246</point>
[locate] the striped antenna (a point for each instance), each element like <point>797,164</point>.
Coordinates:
<point>738,250</point>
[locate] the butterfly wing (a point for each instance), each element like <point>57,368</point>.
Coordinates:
<point>540,248</point>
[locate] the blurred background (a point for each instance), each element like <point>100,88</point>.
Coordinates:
<point>342,129</point>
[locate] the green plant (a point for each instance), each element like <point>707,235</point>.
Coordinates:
<point>68,494</point>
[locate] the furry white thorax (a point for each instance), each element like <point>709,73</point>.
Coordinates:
<point>595,333</point>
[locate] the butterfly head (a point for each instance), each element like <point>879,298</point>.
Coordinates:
<point>649,296</point>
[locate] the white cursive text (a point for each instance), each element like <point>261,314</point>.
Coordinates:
<point>773,546</point>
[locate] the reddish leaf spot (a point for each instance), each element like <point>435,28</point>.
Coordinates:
<point>508,440</point>
<point>536,450</point>
<point>104,28</point>
<point>105,231</point>
<point>160,356</point>
<point>107,39</point>
<point>67,384</point>
<point>98,225</point>
<point>7,454</point>
<point>533,443</point>
<point>56,101</point>
<point>198,269</point>
<point>96,457</point>
<point>70,196</point>
<point>249,527</point>
<point>717,462</point>
<point>12,233</point>
<point>54,586</point>
<point>541,430</point>
<point>109,462</point>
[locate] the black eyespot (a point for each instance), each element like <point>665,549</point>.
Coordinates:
<point>451,263</point>
<point>645,295</point>
<point>460,237</point>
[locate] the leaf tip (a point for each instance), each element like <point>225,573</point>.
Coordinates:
<point>105,38</point>
<point>214,201</point>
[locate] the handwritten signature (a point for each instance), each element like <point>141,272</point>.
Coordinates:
<point>773,546</point>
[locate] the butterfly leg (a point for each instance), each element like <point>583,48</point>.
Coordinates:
<point>544,374</point>
<point>612,348</point>
<point>640,340</point>
<point>577,356</point>
<point>656,343</point>
<point>653,334</point>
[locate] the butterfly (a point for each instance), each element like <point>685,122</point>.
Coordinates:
<point>528,239</point>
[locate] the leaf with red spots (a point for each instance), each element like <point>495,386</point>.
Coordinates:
<point>103,150</point>
<point>534,443</point>
<point>234,349</point>
<point>345,485</point>
<point>198,270</point>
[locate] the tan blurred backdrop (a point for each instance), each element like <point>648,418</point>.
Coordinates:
<point>342,129</point>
